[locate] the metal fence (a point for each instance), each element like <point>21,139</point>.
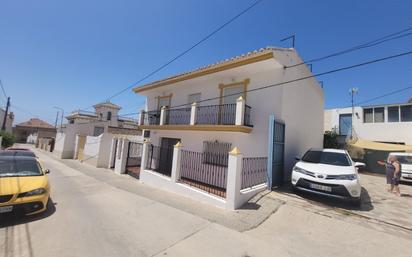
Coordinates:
<point>160,159</point>
<point>178,116</point>
<point>216,153</point>
<point>151,118</point>
<point>254,171</point>
<point>208,177</point>
<point>224,114</point>
<point>134,154</point>
<point>247,121</point>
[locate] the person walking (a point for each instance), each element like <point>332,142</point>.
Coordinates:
<point>393,174</point>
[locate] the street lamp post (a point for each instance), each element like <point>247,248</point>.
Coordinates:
<point>353,91</point>
<point>61,121</point>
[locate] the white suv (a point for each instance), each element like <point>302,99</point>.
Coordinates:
<point>406,161</point>
<point>329,172</point>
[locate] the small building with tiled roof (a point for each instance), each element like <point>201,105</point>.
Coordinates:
<point>33,128</point>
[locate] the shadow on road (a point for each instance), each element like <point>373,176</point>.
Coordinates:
<point>13,220</point>
<point>366,202</point>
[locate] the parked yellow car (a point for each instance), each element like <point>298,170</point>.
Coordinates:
<point>24,185</point>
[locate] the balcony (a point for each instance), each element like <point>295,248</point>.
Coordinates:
<point>225,117</point>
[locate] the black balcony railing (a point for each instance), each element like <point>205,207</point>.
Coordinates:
<point>247,121</point>
<point>224,114</point>
<point>151,118</point>
<point>178,116</point>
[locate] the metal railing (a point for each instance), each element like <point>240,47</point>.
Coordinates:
<point>254,171</point>
<point>151,118</point>
<point>178,116</point>
<point>247,121</point>
<point>160,159</point>
<point>224,114</point>
<point>208,177</point>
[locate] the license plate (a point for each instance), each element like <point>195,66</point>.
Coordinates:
<point>320,187</point>
<point>5,209</point>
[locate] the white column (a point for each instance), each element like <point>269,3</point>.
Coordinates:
<point>240,111</point>
<point>120,165</point>
<point>177,157</point>
<point>145,152</point>
<point>112,157</point>
<point>193,113</point>
<point>162,115</point>
<point>76,146</point>
<point>141,118</point>
<point>234,179</point>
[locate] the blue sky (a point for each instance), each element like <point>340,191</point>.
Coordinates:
<point>75,53</point>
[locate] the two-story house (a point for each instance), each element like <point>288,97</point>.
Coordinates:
<point>255,102</point>
<point>88,135</point>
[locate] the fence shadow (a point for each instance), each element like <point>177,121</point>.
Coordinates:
<point>9,220</point>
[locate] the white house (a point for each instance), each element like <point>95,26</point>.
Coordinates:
<point>244,103</point>
<point>390,123</point>
<point>384,123</point>
<point>88,136</point>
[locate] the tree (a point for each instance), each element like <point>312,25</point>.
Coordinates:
<point>7,139</point>
<point>330,139</point>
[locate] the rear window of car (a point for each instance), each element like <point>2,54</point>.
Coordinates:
<point>17,153</point>
<point>404,159</point>
<point>19,168</point>
<point>330,158</point>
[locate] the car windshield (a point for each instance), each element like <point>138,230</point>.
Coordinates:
<point>331,158</point>
<point>404,159</point>
<point>19,168</point>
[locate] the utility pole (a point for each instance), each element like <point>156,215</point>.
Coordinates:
<point>3,127</point>
<point>353,91</point>
<point>57,117</point>
<point>61,109</point>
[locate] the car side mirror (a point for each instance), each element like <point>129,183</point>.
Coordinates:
<point>359,164</point>
<point>46,171</point>
<point>297,158</point>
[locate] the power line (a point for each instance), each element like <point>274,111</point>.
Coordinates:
<point>187,50</point>
<point>368,44</point>
<point>384,95</point>
<point>2,89</point>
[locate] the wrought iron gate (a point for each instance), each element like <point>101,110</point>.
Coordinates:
<point>134,158</point>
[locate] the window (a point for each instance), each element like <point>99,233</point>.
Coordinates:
<point>406,113</point>
<point>194,98</point>
<point>216,153</point>
<point>163,101</point>
<point>71,121</point>
<point>98,131</point>
<point>345,124</point>
<point>368,115</point>
<point>393,114</point>
<point>229,93</point>
<point>379,114</point>
<point>109,115</point>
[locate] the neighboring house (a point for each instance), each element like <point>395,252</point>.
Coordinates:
<point>30,131</point>
<point>387,123</point>
<point>210,112</point>
<point>88,135</point>
<point>9,120</point>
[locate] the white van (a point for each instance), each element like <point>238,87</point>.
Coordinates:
<point>406,161</point>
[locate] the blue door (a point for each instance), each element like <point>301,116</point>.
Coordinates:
<point>276,152</point>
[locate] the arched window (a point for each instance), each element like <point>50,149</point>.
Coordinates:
<point>109,115</point>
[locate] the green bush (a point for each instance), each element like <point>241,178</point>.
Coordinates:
<point>330,139</point>
<point>8,139</point>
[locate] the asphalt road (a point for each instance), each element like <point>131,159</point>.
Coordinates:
<point>97,213</point>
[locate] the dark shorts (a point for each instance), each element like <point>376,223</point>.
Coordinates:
<point>395,181</point>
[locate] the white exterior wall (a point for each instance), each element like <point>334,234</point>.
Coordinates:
<point>66,140</point>
<point>97,150</point>
<point>299,105</point>
<point>385,132</point>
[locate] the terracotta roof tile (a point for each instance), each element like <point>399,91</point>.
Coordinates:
<point>35,123</point>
